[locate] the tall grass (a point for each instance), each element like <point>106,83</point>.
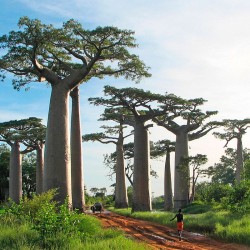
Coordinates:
<point>235,231</point>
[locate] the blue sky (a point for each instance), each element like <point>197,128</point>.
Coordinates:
<point>194,49</point>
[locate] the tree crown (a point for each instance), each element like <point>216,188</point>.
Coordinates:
<point>39,52</point>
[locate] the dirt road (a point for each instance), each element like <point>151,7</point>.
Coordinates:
<point>161,237</point>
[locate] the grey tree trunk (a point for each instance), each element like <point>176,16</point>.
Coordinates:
<point>39,169</point>
<point>168,193</point>
<point>78,198</point>
<point>141,200</point>
<point>182,175</point>
<point>121,197</point>
<point>239,161</point>
<point>15,178</point>
<point>57,162</point>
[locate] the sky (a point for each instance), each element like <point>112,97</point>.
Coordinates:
<point>193,48</point>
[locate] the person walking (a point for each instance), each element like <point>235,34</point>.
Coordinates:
<point>180,223</point>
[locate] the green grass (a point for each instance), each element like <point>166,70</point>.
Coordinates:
<point>30,227</point>
<point>219,224</point>
<point>20,237</point>
<point>92,236</point>
<point>41,224</point>
<point>235,230</point>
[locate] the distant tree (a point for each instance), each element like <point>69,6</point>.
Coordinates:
<point>29,165</point>
<point>4,171</point>
<point>35,139</point>
<point>235,129</point>
<point>195,162</point>
<point>190,119</point>
<point>160,148</point>
<point>65,57</point>
<point>94,190</point>
<point>14,133</point>
<point>114,135</point>
<point>103,190</point>
<point>224,171</point>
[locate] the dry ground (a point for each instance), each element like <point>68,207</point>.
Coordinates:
<point>161,237</point>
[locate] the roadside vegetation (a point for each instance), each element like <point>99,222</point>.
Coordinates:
<point>40,223</point>
<point>225,216</point>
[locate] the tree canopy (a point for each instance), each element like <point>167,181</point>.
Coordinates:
<point>38,52</point>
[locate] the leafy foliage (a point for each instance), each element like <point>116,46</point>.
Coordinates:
<point>224,171</point>
<point>4,169</point>
<point>29,174</point>
<point>39,223</point>
<point>38,52</point>
<point>234,129</point>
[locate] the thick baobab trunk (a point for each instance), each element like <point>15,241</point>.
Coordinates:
<point>168,195</point>
<point>121,197</point>
<point>39,169</point>
<point>15,178</point>
<point>182,175</point>
<point>76,153</point>
<point>239,161</point>
<point>57,164</point>
<point>141,200</point>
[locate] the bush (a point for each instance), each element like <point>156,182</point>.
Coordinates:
<point>239,198</point>
<point>40,223</point>
<point>197,207</point>
<point>212,192</point>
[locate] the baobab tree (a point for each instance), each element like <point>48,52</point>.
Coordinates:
<point>190,118</point>
<point>35,139</point>
<point>160,148</point>
<point>4,171</point>
<point>65,57</point>
<point>114,135</point>
<point>235,129</point>
<point>14,133</point>
<point>111,159</point>
<point>77,180</point>
<point>137,102</point>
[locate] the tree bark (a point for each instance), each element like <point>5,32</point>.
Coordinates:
<point>15,180</point>
<point>121,197</point>
<point>168,194</point>
<point>39,169</point>
<point>57,163</point>
<point>141,200</point>
<point>239,161</point>
<point>182,175</point>
<point>76,154</point>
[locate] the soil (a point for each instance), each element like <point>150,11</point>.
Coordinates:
<point>159,237</point>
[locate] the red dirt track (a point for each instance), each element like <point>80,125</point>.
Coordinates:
<point>160,237</point>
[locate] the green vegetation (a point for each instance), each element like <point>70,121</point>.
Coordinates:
<point>210,219</point>
<point>39,223</point>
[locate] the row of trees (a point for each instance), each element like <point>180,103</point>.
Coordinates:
<point>184,118</point>
<point>29,166</point>
<point>65,58</point>
<point>71,55</point>
<point>30,134</point>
